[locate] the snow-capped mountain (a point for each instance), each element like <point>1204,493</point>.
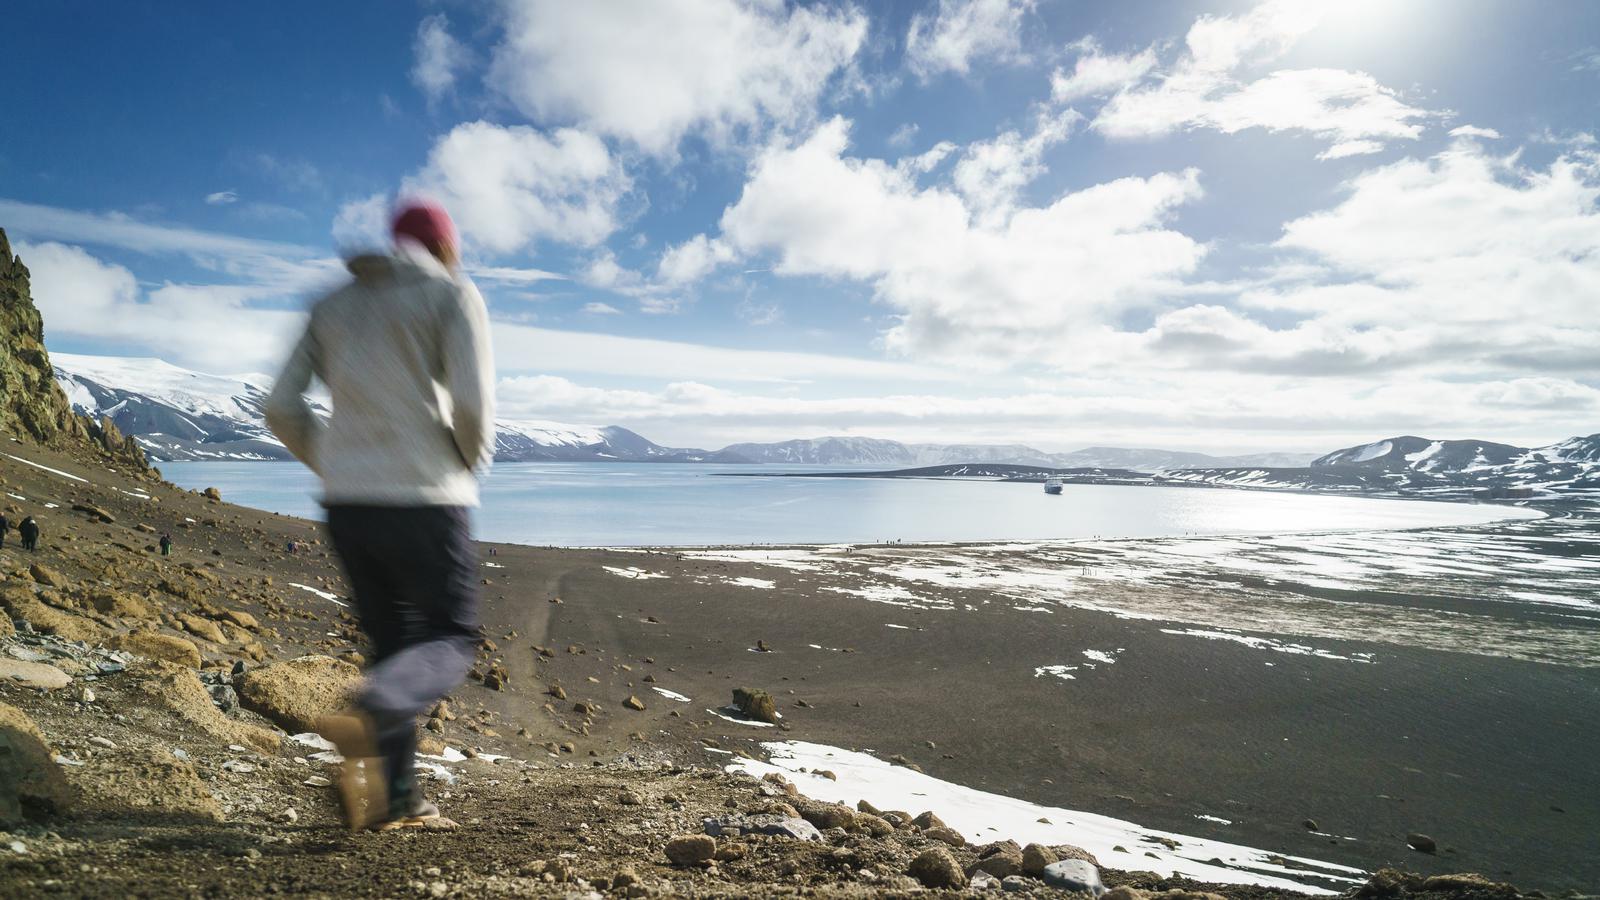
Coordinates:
<point>529,441</point>
<point>859,451</point>
<point>178,414</point>
<point>175,414</point>
<point>1423,455</point>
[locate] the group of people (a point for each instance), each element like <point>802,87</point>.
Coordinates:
<point>27,532</point>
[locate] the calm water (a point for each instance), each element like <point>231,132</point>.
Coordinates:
<point>630,504</point>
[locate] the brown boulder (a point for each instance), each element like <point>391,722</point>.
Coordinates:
<point>937,869</point>
<point>31,784</point>
<point>155,645</point>
<point>204,628</point>
<point>179,689</point>
<point>928,820</point>
<point>691,849</point>
<point>241,619</point>
<point>123,605</point>
<point>754,703</point>
<point>1001,860</point>
<point>296,693</point>
<point>23,604</point>
<point>944,834</point>
<point>159,786</point>
<point>47,576</point>
<point>1035,857</point>
<point>32,674</point>
<point>829,815</point>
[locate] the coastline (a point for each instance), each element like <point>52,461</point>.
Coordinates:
<point>1179,733</point>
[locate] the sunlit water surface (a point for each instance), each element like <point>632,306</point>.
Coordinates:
<point>634,504</point>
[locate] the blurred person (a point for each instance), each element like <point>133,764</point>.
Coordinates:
<point>403,349</point>
<point>166,544</point>
<point>28,531</point>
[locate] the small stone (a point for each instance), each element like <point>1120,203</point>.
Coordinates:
<point>634,703</point>
<point>557,691</point>
<point>936,868</point>
<point>754,703</point>
<point>1017,884</point>
<point>623,878</point>
<point>691,849</point>
<point>946,835</point>
<point>761,647</point>
<point>99,741</point>
<point>1035,857</point>
<point>1074,875</point>
<point>1421,843</point>
<point>630,798</point>
<point>1311,825</point>
<point>46,575</point>
<point>290,815</point>
<point>983,881</point>
<point>928,820</point>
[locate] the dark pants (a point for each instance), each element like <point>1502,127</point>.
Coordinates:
<point>413,573</point>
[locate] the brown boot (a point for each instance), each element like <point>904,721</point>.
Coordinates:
<point>363,789</point>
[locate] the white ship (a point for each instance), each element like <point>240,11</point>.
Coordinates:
<point>1054,484</point>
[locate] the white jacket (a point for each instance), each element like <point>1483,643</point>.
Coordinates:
<point>404,350</point>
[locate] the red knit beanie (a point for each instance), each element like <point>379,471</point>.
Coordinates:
<point>426,223</point>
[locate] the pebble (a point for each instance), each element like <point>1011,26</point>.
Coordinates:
<point>1421,843</point>
<point>983,881</point>
<point>99,741</point>
<point>318,781</point>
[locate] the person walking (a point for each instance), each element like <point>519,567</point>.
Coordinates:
<point>403,349</point>
<point>5,526</point>
<point>28,531</point>
<point>166,544</point>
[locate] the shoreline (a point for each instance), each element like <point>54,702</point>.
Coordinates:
<point>955,659</point>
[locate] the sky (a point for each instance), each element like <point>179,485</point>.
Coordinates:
<point>1213,225</point>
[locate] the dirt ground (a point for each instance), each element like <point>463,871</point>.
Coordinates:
<point>555,798</point>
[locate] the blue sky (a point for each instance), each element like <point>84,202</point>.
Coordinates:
<point>1201,225</point>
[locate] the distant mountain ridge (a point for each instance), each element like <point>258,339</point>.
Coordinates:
<point>177,414</point>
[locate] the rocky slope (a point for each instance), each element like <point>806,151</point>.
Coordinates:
<point>32,406</point>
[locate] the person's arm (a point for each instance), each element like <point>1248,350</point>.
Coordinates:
<point>288,414</point>
<point>469,375</point>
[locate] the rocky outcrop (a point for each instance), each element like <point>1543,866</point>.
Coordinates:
<point>31,785</point>
<point>296,693</point>
<point>32,406</point>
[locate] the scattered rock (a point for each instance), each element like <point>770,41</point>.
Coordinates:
<point>1000,860</point>
<point>936,868</point>
<point>178,689</point>
<point>155,645</point>
<point>754,703</point>
<point>983,881</point>
<point>784,826</point>
<point>241,619</point>
<point>31,784</point>
<point>829,815</point>
<point>1311,825</point>
<point>557,691</point>
<point>1017,884</point>
<point>204,628</point>
<point>161,787</point>
<point>122,605</point>
<point>1074,875</point>
<point>33,674</point>
<point>944,834</point>
<point>25,606</point>
<point>634,703</point>
<point>211,493</point>
<point>691,849</point>
<point>1124,893</point>
<point>47,576</point>
<point>761,647</point>
<point>928,820</point>
<point>1035,857</point>
<point>295,693</point>
<point>1421,843</point>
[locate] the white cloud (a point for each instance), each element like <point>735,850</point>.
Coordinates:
<point>992,173</point>
<point>992,291</point>
<point>207,326</point>
<point>1473,131</point>
<point>509,187</point>
<point>1096,74</point>
<point>963,32</point>
<point>651,71</point>
<point>363,224</point>
<point>222,198</point>
<point>692,260</point>
<point>601,309</point>
<point>439,57</point>
<point>902,136</point>
<point>1205,87</point>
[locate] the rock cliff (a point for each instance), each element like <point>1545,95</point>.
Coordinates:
<point>32,406</point>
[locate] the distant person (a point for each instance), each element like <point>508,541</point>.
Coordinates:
<point>28,531</point>
<point>166,544</point>
<point>404,350</point>
<point>5,526</point>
